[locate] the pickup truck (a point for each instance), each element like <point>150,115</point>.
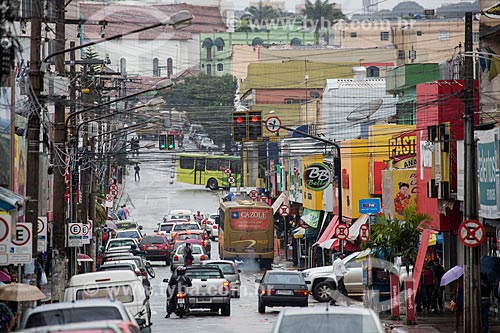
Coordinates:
<point>321,281</point>
<point>210,290</point>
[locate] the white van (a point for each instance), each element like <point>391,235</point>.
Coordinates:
<point>184,214</point>
<point>121,285</point>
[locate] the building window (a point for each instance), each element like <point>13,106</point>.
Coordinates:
<point>123,66</point>
<point>419,33</point>
<point>220,48</point>
<point>219,43</point>
<point>170,67</point>
<point>294,101</point>
<point>401,54</point>
<point>354,34</point>
<point>475,37</point>
<point>220,67</point>
<point>444,35</point>
<point>209,53</point>
<point>156,68</point>
<point>384,35</point>
<point>209,69</point>
<point>296,42</point>
<point>372,71</point>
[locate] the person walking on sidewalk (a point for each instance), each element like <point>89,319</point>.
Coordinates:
<point>485,301</point>
<point>427,287</point>
<point>340,271</point>
<point>459,301</point>
<point>437,296</point>
<point>137,168</point>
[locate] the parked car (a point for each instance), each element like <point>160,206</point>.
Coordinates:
<point>199,255</point>
<point>328,319</point>
<point>108,256</point>
<point>78,312</point>
<point>99,326</point>
<point>211,225</point>
<point>121,285</point>
<point>185,226</point>
<point>156,248</point>
<point>129,233</point>
<point>231,273</point>
<point>132,243</point>
<point>281,288</point>
<point>120,265</point>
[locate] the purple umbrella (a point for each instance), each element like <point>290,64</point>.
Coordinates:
<point>4,277</point>
<point>451,275</point>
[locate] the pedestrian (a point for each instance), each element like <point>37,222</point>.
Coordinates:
<point>137,168</point>
<point>485,301</point>
<point>122,215</point>
<point>187,253</point>
<point>437,299</point>
<point>427,287</point>
<point>105,236</point>
<point>127,212</point>
<point>340,271</point>
<point>8,320</point>
<point>458,301</point>
<point>198,217</point>
<point>39,272</point>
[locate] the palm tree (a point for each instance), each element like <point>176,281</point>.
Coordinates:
<point>322,15</point>
<point>260,14</point>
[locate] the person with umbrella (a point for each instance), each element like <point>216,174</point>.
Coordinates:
<point>187,253</point>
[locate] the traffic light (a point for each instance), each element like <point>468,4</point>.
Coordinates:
<point>170,141</point>
<point>162,141</point>
<point>254,125</point>
<point>240,126</point>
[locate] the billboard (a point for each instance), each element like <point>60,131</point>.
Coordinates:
<point>399,189</point>
<point>249,219</point>
<point>488,174</point>
<point>5,144</point>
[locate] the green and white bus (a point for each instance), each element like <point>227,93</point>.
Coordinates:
<point>208,170</point>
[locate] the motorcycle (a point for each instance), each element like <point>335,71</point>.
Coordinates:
<point>182,305</point>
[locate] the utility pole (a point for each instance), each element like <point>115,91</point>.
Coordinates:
<point>472,300</point>
<point>59,226</point>
<point>33,154</point>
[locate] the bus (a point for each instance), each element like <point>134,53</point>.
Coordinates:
<point>208,170</point>
<point>246,232</point>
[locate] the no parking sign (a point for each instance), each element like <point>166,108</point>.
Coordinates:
<point>21,244</point>
<point>75,234</point>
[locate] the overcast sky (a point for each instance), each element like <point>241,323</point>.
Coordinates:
<point>350,7</point>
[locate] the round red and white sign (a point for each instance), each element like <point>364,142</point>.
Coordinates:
<point>471,233</point>
<point>4,229</point>
<point>23,235</point>
<point>284,210</point>
<point>109,197</point>
<point>75,229</point>
<point>254,194</point>
<point>227,171</point>
<point>230,180</point>
<point>341,231</point>
<point>364,233</point>
<point>41,226</point>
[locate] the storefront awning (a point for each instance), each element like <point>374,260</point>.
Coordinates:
<point>329,231</point>
<point>10,200</point>
<point>354,228</point>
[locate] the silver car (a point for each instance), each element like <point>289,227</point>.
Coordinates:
<point>199,255</point>
<point>231,273</point>
<point>328,319</point>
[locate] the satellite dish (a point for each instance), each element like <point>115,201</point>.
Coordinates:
<point>365,110</point>
<point>314,94</point>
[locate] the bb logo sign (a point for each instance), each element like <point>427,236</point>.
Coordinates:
<point>317,176</point>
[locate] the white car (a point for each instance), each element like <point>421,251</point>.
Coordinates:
<point>211,224</point>
<point>199,255</point>
<point>183,214</point>
<point>131,243</point>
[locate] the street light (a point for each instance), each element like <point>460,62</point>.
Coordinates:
<point>179,20</point>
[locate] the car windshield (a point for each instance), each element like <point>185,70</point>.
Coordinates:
<point>180,217</point>
<point>188,226</point>
<point>203,274</point>
<point>120,243</point>
<point>127,234</point>
<point>116,267</point>
<point>226,268</point>
<point>126,224</point>
<point>122,293</point>
<point>196,249</point>
<point>327,323</point>
<point>285,278</point>
<point>188,236</point>
<point>166,227</point>
<point>137,260</point>
<point>152,240</point>
<point>72,315</point>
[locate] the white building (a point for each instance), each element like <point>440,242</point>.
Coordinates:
<point>350,106</point>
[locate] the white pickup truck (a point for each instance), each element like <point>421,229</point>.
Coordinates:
<point>321,281</point>
<point>209,290</point>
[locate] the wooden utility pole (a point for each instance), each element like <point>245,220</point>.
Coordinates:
<point>33,154</point>
<point>472,299</point>
<point>59,274</point>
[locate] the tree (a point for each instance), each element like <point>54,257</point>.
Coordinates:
<point>321,14</point>
<point>208,100</point>
<point>397,238</point>
<point>90,54</point>
<point>257,17</point>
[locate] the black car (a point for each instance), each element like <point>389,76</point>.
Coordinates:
<point>282,288</point>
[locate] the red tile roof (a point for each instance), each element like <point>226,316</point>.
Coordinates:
<point>122,18</point>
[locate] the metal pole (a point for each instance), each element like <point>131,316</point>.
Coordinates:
<point>472,300</point>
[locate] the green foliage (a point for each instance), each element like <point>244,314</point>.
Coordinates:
<point>322,14</point>
<point>208,100</point>
<point>397,238</point>
<point>89,53</point>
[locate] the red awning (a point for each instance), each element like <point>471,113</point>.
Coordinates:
<point>329,231</point>
<point>348,246</point>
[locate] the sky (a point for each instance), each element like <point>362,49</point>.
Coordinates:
<point>350,7</point>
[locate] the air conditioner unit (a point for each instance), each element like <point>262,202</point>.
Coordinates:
<point>444,190</point>
<point>432,189</point>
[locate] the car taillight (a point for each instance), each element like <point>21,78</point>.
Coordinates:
<point>143,273</point>
<point>267,292</point>
<point>176,257</point>
<point>202,257</point>
<point>203,222</point>
<point>181,295</point>
<point>215,227</point>
<point>301,292</point>
<point>138,272</point>
<point>225,286</point>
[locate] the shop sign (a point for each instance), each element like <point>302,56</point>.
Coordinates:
<point>488,153</point>
<point>317,176</point>
<point>402,151</point>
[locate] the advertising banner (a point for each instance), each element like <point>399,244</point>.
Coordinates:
<point>488,173</point>
<point>399,188</point>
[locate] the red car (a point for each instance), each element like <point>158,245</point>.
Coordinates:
<point>156,248</point>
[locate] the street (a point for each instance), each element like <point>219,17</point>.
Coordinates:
<point>149,200</point>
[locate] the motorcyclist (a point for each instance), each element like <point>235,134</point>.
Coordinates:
<point>177,283</point>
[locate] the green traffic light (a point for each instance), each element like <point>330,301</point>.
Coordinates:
<point>171,146</point>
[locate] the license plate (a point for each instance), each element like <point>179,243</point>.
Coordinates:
<point>284,292</point>
<point>181,301</point>
<point>204,299</point>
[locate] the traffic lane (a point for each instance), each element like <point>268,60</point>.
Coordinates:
<point>244,315</point>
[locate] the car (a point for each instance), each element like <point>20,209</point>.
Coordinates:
<point>208,144</point>
<point>101,326</point>
<point>231,273</point>
<point>185,226</point>
<point>184,214</point>
<point>75,312</point>
<point>281,288</point>
<point>120,265</point>
<point>144,265</point>
<point>108,256</point>
<point>129,233</point>
<point>198,137</point>
<point>328,319</point>
<point>211,225</point>
<point>127,224</point>
<point>194,128</point>
<point>199,255</point>
<point>132,243</point>
<point>156,248</point>
<point>193,236</point>
<point>136,264</point>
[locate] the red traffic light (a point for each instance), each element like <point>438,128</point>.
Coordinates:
<point>239,120</point>
<point>255,119</point>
